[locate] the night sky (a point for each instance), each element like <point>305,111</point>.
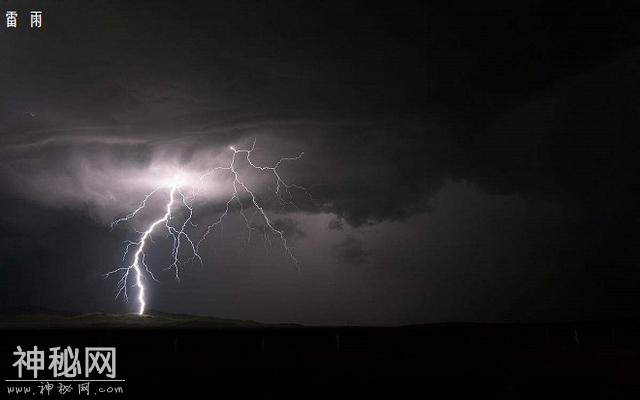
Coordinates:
<point>474,162</point>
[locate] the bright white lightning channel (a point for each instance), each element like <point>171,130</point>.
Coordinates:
<point>180,237</point>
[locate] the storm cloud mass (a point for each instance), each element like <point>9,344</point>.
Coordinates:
<point>474,162</point>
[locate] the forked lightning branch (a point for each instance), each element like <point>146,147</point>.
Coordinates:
<point>177,196</point>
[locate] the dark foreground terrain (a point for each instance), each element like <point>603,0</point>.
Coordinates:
<point>183,356</point>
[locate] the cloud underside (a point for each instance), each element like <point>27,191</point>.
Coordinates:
<point>383,127</point>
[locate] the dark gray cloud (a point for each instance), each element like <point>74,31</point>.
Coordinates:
<point>392,107</point>
<point>372,111</point>
<point>351,250</point>
<point>336,224</point>
<point>290,228</point>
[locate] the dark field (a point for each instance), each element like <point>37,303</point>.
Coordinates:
<point>183,355</point>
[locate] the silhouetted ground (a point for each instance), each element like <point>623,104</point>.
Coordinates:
<point>41,318</point>
<point>186,356</point>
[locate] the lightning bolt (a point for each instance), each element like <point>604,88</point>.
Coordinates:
<point>177,200</point>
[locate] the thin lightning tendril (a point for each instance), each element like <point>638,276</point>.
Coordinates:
<point>179,234</point>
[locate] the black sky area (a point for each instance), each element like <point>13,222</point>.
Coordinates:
<point>468,161</point>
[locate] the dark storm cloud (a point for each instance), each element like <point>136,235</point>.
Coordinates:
<point>290,228</point>
<point>389,103</point>
<point>351,250</point>
<point>336,224</point>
